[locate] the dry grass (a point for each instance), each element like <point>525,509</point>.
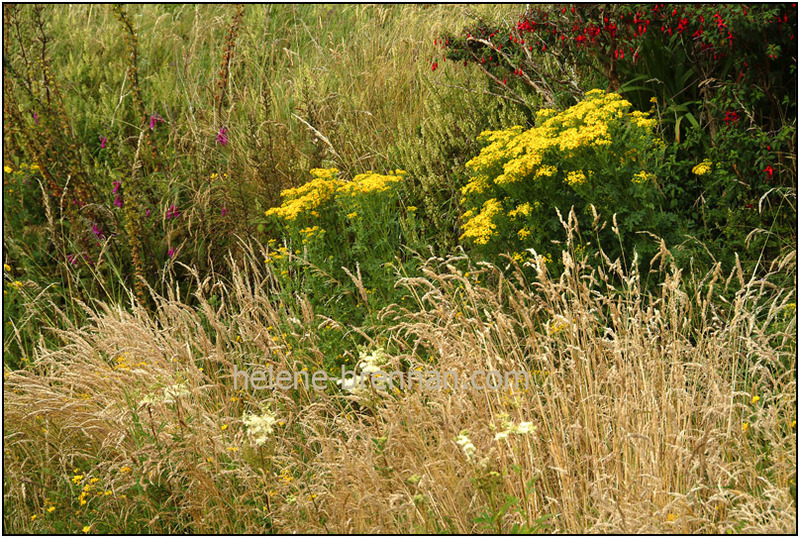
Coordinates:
<point>639,403</point>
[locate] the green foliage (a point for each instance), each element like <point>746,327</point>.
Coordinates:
<point>435,151</point>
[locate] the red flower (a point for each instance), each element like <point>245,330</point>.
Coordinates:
<point>769,171</point>
<point>731,117</point>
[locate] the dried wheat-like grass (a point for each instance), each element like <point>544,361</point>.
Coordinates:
<point>643,405</point>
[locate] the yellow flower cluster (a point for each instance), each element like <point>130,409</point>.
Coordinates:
<point>481,227</point>
<point>560,145</point>
<point>576,178</point>
<point>524,209</point>
<point>370,183</point>
<point>325,187</point>
<point>590,123</point>
<point>703,168</point>
<point>310,232</point>
<point>309,197</point>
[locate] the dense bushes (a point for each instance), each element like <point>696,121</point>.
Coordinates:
<point>720,80</point>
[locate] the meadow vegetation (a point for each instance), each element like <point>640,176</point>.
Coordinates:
<point>601,196</point>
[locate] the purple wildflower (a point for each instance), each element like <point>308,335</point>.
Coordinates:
<point>172,212</point>
<point>36,118</point>
<point>223,211</point>
<point>155,119</point>
<point>118,201</point>
<point>170,252</point>
<point>72,259</point>
<point>97,231</point>
<point>117,185</point>
<point>103,141</point>
<point>222,136</point>
<point>147,213</point>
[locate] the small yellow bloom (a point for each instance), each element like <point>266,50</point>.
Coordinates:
<point>576,178</point>
<point>8,169</point>
<point>77,478</point>
<point>223,427</point>
<point>755,399</point>
<point>86,529</point>
<point>51,509</point>
<point>125,469</point>
<point>94,480</point>
<point>233,448</point>
<point>745,426</point>
<point>671,517</point>
<point>7,267</point>
<point>33,517</point>
<point>702,168</point>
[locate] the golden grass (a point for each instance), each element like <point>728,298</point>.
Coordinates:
<point>639,404</point>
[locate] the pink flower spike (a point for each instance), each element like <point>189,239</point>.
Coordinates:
<point>222,136</point>
<point>103,141</point>
<point>118,201</point>
<point>223,211</point>
<point>117,185</point>
<point>155,119</point>
<point>170,252</point>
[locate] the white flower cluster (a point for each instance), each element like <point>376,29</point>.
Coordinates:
<point>173,392</point>
<point>466,445</point>
<point>509,428</point>
<point>259,427</point>
<point>170,394</point>
<point>369,364</point>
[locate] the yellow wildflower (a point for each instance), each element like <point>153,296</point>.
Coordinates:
<point>755,399</point>
<point>703,168</point>
<point>480,227</point>
<point>576,178</point>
